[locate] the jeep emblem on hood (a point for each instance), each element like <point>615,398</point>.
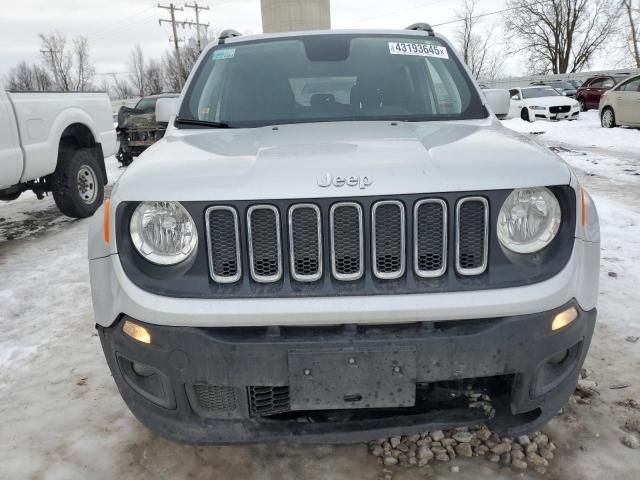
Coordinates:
<point>361,181</point>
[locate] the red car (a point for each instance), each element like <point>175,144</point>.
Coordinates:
<point>592,89</point>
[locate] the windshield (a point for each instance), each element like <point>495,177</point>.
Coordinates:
<point>563,85</point>
<point>330,78</point>
<point>539,92</point>
<point>147,105</point>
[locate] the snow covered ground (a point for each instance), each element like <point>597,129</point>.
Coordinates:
<point>62,417</point>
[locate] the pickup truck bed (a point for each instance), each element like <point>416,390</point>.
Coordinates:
<point>43,141</point>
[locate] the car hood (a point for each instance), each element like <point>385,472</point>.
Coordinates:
<point>371,158</point>
<point>550,101</point>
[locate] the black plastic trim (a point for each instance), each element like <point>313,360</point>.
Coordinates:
<point>448,351</point>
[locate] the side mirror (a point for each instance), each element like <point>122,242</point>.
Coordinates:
<point>165,109</point>
<point>499,101</point>
<point>515,97</point>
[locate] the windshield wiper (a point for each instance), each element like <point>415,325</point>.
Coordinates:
<point>202,123</point>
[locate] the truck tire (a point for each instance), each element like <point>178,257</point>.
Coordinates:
<point>77,184</point>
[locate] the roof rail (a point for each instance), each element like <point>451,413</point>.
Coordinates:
<point>228,34</point>
<point>424,27</point>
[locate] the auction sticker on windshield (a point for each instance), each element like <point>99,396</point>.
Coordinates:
<point>419,49</point>
<point>224,54</point>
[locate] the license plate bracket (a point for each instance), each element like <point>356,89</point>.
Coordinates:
<point>352,378</point>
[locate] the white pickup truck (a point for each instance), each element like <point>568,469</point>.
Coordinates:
<point>56,142</point>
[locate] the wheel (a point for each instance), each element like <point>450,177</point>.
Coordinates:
<point>524,115</point>
<point>608,118</point>
<point>77,185</point>
<point>583,105</point>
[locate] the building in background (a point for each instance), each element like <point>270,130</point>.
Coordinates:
<point>293,15</point>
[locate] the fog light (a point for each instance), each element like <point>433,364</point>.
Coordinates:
<point>564,318</point>
<point>137,332</point>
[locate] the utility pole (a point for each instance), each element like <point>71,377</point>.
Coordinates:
<point>197,9</point>
<point>172,9</point>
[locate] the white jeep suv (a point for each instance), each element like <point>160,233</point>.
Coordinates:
<point>337,240</point>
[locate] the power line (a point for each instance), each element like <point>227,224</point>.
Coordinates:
<point>504,10</point>
<point>395,12</point>
<point>124,27</point>
<point>126,21</point>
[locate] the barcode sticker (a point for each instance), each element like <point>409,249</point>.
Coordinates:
<point>419,49</point>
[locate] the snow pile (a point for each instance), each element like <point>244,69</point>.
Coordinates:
<point>584,132</point>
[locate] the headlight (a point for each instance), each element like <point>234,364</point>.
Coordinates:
<point>529,220</point>
<point>163,232</point>
<point>536,107</point>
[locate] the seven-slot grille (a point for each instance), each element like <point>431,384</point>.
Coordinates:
<point>385,238</point>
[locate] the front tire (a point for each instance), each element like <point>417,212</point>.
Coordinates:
<point>77,184</point>
<point>524,115</point>
<point>608,118</point>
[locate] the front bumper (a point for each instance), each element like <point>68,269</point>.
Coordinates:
<point>227,385</point>
<point>546,114</point>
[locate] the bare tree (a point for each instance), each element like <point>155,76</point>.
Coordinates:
<point>41,78</point>
<point>24,77</point>
<point>173,75</point>
<point>632,39</point>
<point>137,68</point>
<point>84,71</point>
<point>477,48</point>
<point>189,53</point>
<point>105,86</point>
<point>68,64</point>
<point>121,88</point>
<point>58,59</point>
<point>560,36</point>
<point>154,81</point>
<point>20,78</point>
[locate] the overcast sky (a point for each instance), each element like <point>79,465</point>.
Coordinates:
<point>114,26</point>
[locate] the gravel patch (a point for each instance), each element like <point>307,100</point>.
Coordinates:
<point>524,452</point>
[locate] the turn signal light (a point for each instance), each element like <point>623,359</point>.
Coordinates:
<point>564,318</point>
<point>137,332</point>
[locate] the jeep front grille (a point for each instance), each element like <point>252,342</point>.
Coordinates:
<point>383,239</point>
